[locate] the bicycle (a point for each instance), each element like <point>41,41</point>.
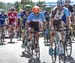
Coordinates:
<point>19,32</point>
<point>34,46</point>
<point>26,42</point>
<point>47,34</point>
<point>2,34</point>
<point>68,43</point>
<point>11,34</point>
<point>57,48</point>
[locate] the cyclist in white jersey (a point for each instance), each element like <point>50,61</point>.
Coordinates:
<point>59,16</point>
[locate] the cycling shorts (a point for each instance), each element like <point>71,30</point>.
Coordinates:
<point>12,23</point>
<point>57,24</point>
<point>34,25</point>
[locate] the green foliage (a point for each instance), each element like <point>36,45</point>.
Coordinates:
<point>41,5</point>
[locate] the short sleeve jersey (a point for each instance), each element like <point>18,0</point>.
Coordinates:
<point>38,18</point>
<point>2,18</point>
<point>12,16</point>
<point>62,14</point>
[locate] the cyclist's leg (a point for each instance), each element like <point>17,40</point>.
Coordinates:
<point>52,35</point>
<point>36,30</point>
<point>31,30</point>
<point>9,28</point>
<point>14,28</point>
<point>23,33</point>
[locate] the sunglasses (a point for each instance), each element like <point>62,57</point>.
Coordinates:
<point>36,13</point>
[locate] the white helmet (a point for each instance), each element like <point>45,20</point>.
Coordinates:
<point>60,3</point>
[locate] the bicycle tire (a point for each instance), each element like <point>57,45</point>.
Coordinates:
<point>38,52</point>
<point>2,36</point>
<point>62,56</point>
<point>70,47</point>
<point>53,56</point>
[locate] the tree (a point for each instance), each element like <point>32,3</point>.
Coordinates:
<point>2,5</point>
<point>18,6</point>
<point>25,2</point>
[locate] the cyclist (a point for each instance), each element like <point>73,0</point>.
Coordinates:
<point>19,27</point>
<point>47,13</point>
<point>24,15</point>
<point>12,19</point>
<point>47,17</point>
<point>3,18</point>
<point>59,16</point>
<point>71,10</point>
<point>35,19</point>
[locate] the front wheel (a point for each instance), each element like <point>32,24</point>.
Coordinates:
<point>68,47</point>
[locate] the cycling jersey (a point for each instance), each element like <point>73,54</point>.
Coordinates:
<point>12,16</point>
<point>47,16</point>
<point>61,14</point>
<point>2,19</point>
<point>34,18</point>
<point>24,17</point>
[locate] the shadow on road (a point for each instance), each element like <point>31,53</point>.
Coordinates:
<point>34,60</point>
<point>70,60</point>
<point>27,55</point>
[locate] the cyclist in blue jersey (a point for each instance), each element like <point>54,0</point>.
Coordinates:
<point>47,13</point>
<point>35,19</point>
<point>47,17</point>
<point>24,15</point>
<point>59,16</point>
<point>3,17</point>
<point>71,10</point>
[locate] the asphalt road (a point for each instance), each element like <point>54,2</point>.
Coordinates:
<point>12,53</point>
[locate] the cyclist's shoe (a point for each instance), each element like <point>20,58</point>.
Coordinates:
<point>23,41</point>
<point>37,50</point>
<point>29,40</point>
<point>51,51</point>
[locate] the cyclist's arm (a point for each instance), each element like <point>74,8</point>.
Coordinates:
<point>29,18</point>
<point>16,18</point>
<point>6,20</point>
<point>44,22</point>
<point>66,11</point>
<point>51,20</point>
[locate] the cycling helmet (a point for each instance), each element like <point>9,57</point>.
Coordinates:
<point>60,3</point>
<point>12,9</point>
<point>2,11</point>
<point>27,7</point>
<point>48,8</point>
<point>36,9</point>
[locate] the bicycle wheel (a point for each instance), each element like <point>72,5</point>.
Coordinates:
<point>11,35</point>
<point>61,53</point>
<point>46,36</point>
<point>26,42</point>
<point>37,50</point>
<point>2,36</point>
<point>68,47</point>
<point>53,55</point>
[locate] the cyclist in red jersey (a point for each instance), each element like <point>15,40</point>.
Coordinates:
<point>12,15</point>
<point>12,19</point>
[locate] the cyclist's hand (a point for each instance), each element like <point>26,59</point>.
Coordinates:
<point>52,28</point>
<point>21,19</point>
